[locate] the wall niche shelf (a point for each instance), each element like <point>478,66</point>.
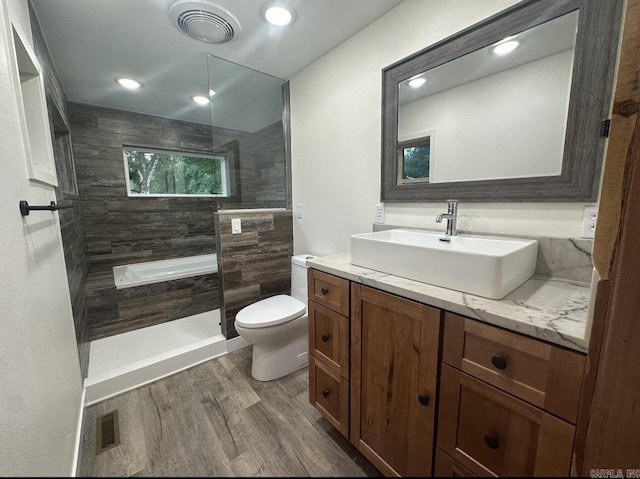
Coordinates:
<point>32,109</point>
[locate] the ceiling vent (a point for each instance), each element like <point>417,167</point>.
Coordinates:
<point>204,21</point>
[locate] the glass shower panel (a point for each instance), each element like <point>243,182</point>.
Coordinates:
<point>247,122</point>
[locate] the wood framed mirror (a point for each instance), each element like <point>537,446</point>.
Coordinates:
<point>459,120</point>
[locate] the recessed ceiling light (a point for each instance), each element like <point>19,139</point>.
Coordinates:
<point>278,14</point>
<point>200,99</point>
<point>505,46</point>
<point>129,83</point>
<point>417,82</point>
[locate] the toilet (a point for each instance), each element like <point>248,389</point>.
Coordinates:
<point>277,327</point>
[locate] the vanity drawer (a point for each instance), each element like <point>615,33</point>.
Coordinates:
<point>329,291</point>
<point>445,466</point>
<point>546,376</point>
<point>329,394</point>
<point>491,432</point>
<point>329,338</point>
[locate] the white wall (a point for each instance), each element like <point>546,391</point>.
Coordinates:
<point>40,381</point>
<point>336,130</point>
<point>513,123</point>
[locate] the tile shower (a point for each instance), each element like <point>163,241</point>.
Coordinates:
<point>125,230</point>
<point>122,230</point>
<point>107,228</point>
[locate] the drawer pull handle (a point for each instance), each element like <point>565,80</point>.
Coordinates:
<point>324,291</point>
<point>499,362</point>
<point>424,400</point>
<point>325,393</point>
<point>491,441</point>
<point>325,338</point>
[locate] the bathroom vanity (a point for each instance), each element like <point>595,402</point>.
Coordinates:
<point>428,381</point>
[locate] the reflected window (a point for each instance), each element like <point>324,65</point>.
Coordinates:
<point>415,160</point>
<point>151,172</point>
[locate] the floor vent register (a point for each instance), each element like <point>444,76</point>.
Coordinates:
<point>107,431</point>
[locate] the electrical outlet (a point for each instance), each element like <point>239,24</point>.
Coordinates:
<point>589,220</point>
<point>378,213</point>
<point>236,226</point>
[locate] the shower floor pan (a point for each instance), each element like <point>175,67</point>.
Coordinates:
<point>125,361</point>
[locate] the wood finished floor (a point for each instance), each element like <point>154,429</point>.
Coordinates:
<point>214,419</point>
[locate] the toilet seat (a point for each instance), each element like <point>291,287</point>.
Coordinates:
<point>270,312</point>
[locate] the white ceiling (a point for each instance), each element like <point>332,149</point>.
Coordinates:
<point>94,41</point>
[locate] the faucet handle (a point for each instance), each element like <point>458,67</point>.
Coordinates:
<point>439,219</point>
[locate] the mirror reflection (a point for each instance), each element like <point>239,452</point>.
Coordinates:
<point>497,113</point>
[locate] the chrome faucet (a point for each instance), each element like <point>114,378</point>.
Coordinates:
<point>451,216</point>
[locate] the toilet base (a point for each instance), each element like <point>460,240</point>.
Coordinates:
<point>271,363</point>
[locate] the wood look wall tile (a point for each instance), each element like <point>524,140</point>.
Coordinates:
<point>262,271</point>
<point>232,279</point>
<point>150,142</point>
<point>234,241</point>
<point>104,328</point>
<point>82,116</point>
<point>97,280</point>
<point>196,146</point>
<point>129,126</point>
<point>140,205</point>
<point>241,296</point>
<point>275,286</point>
<point>109,260</point>
<point>122,230</point>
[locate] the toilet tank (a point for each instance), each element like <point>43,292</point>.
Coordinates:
<point>299,276</point>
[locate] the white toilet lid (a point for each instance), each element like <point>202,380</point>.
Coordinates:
<point>270,311</point>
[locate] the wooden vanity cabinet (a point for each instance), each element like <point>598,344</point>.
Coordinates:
<point>379,368</point>
<point>329,358</point>
<point>394,370</point>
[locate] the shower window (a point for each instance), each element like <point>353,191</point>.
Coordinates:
<point>415,159</point>
<point>151,172</point>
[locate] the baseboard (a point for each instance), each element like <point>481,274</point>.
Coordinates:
<point>78,444</point>
<point>236,343</point>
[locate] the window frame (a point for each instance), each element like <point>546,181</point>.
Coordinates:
<point>412,140</point>
<point>224,172</point>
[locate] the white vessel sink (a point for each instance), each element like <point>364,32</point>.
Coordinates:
<point>485,266</point>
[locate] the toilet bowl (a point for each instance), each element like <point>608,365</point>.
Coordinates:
<point>277,327</point>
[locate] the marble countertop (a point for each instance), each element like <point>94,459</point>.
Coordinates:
<point>551,309</point>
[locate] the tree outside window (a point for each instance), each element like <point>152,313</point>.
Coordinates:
<point>414,160</point>
<point>167,173</point>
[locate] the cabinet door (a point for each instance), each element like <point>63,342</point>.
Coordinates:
<point>492,433</point>
<point>394,354</point>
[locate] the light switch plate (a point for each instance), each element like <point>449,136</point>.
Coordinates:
<point>299,210</point>
<point>236,226</point>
